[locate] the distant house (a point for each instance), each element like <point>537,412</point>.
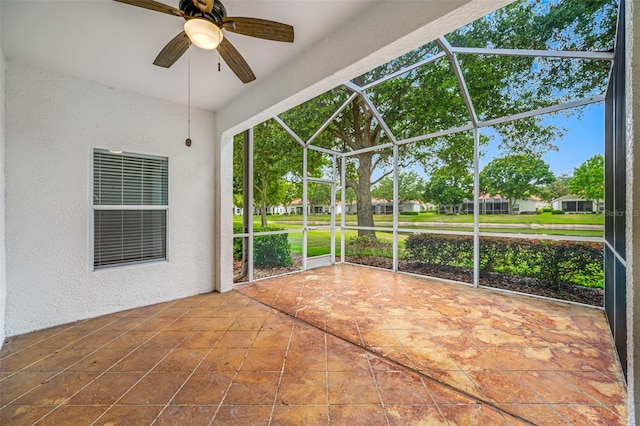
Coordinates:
<point>575,204</point>
<point>495,204</point>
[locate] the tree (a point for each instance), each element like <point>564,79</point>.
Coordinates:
<point>515,177</point>
<point>410,187</point>
<point>588,180</point>
<point>318,194</point>
<point>427,99</point>
<point>273,172</point>
<point>447,189</point>
<point>292,191</point>
<point>558,188</point>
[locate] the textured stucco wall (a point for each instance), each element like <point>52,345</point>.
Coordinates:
<point>386,31</point>
<point>633,207</point>
<point>3,269</point>
<point>52,124</point>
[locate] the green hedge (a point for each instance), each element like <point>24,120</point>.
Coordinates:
<point>557,262</point>
<point>409,213</point>
<point>268,250</point>
<point>369,245</point>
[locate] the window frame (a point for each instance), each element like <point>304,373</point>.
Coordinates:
<point>104,207</point>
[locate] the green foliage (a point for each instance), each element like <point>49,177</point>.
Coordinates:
<point>369,245</point>
<point>435,249</point>
<point>588,179</point>
<point>558,188</point>
<point>556,262</point>
<point>409,213</point>
<point>268,250</point>
<point>448,189</point>
<point>410,187</point>
<point>515,177</point>
<point>557,211</point>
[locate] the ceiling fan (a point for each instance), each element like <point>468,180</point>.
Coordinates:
<point>205,20</point>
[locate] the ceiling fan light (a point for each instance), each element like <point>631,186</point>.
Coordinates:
<point>203,33</point>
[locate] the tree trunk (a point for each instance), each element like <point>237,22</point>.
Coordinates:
<point>263,206</point>
<point>363,194</point>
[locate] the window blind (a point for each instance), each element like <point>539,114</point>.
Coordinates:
<point>130,203</point>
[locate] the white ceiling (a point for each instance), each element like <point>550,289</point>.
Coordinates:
<point>115,44</point>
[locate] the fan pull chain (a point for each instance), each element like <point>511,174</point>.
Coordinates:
<point>218,61</point>
<point>188,141</point>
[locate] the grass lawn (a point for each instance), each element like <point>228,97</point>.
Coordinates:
<point>541,219</point>
<point>445,223</point>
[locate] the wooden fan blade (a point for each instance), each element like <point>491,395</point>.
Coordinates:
<point>154,5</point>
<point>173,50</point>
<point>236,62</point>
<point>261,28</point>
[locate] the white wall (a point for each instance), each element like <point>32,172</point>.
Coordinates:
<point>52,124</point>
<point>3,269</point>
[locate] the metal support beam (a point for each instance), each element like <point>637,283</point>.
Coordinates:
<point>541,111</point>
<point>561,54</point>
<point>396,208</point>
<point>381,120</point>
<point>403,71</point>
<point>333,117</point>
<point>289,130</point>
<point>437,134</point>
<point>476,208</point>
<point>457,70</point>
<point>247,209</point>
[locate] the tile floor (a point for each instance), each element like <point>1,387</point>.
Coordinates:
<point>397,350</point>
<point>543,361</point>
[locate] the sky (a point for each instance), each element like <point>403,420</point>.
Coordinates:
<point>583,139</point>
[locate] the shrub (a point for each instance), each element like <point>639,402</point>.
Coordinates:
<point>369,245</point>
<point>434,249</point>
<point>409,213</point>
<point>547,209</point>
<point>268,250</point>
<point>557,211</point>
<point>556,262</point>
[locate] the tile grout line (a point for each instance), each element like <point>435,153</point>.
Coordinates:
<point>64,370</point>
<point>226,392</point>
<point>450,387</point>
<point>284,363</point>
<point>150,369</point>
<point>193,371</point>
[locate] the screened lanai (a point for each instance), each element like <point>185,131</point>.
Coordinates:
<point>440,112</point>
<point>453,161</point>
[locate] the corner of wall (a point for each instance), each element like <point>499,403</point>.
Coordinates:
<point>3,269</point>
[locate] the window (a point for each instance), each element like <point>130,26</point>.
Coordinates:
<point>130,206</point>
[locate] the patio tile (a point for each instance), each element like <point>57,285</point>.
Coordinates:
<point>357,415</point>
<point>23,414</point>
<point>404,415</point>
<point>243,415</point>
<point>130,414</point>
<point>253,387</point>
<point>186,415</point>
<point>399,350</point>
<point>72,415</point>
<point>300,414</point>
<point>57,389</point>
<point>154,388</point>
<point>303,388</point>
<point>204,389</point>
<point>106,389</point>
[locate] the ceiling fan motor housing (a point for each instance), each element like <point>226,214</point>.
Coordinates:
<point>216,15</point>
